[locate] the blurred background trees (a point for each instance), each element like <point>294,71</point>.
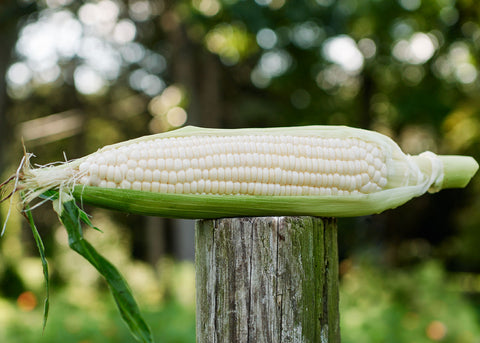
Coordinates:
<point>77,75</point>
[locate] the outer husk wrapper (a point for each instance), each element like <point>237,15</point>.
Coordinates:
<point>407,178</point>
<point>219,206</point>
<point>216,206</point>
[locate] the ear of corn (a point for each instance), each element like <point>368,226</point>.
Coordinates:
<point>208,173</point>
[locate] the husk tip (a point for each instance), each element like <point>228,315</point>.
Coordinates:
<point>458,170</point>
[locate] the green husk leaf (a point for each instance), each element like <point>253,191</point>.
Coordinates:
<point>84,217</point>
<point>71,217</point>
<point>195,206</point>
<point>41,249</point>
<point>51,194</point>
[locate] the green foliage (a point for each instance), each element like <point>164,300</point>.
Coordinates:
<point>10,282</point>
<point>172,323</point>
<point>418,304</point>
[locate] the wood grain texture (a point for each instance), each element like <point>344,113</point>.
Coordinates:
<point>267,279</point>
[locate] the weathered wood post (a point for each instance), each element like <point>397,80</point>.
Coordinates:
<point>267,279</point>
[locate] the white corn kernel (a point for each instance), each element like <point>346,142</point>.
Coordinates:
<point>242,164</point>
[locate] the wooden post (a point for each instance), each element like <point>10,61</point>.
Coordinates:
<point>267,279</point>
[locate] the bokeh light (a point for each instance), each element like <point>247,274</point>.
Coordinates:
<point>343,51</point>
<point>88,81</point>
<point>208,8</point>
<point>19,74</point>
<point>436,330</point>
<point>27,301</point>
<point>266,38</point>
<point>417,50</point>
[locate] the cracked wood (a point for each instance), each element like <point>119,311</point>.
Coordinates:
<point>267,279</point>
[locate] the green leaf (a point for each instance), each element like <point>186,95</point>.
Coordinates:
<point>84,217</point>
<point>71,216</point>
<point>41,249</point>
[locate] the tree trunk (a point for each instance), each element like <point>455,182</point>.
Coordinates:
<point>267,279</point>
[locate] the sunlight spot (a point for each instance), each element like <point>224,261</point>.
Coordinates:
<point>105,11</point>
<point>331,77</point>
<point>422,47</point>
<point>466,73</point>
<point>275,63</point>
<point>413,74</point>
<point>343,51</point>
<point>367,47</point>
<point>176,116</point>
<point>152,85</point>
<point>230,42</point>
<point>68,33</point>
<point>136,77</point>
<point>58,3</point>
<point>462,128</point>
<point>410,5</point>
<point>449,15</point>
<point>148,83</point>
<point>276,4</point>
<point>307,35</point>
<point>19,92</point>
<point>47,75</point>
<point>325,3</point>
<point>266,38</point>
<point>88,14</point>
<point>19,74</point>
<point>87,80</point>
<point>101,56</point>
<point>459,52</point>
<point>263,2</point>
<point>100,18</point>
<point>208,8</point>
<point>456,65</point>
<point>171,97</point>
<point>401,29</point>
<point>418,50</point>
<point>140,10</point>
<point>124,31</point>
<point>154,63</point>
<point>471,29</point>
<point>132,52</point>
<point>259,79</point>
<point>37,41</point>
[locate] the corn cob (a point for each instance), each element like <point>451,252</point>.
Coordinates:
<point>314,170</point>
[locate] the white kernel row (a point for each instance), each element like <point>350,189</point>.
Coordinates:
<point>240,165</point>
<point>277,176</point>
<point>231,188</point>
<point>229,162</point>
<point>188,147</point>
